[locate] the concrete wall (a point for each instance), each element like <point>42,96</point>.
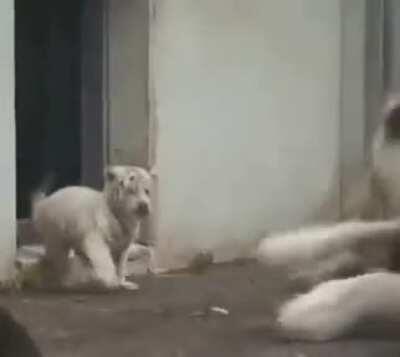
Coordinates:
<point>355,124</point>
<point>128,73</point>
<point>246,96</point>
<point>7,141</point>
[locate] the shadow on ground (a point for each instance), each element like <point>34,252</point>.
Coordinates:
<point>166,318</point>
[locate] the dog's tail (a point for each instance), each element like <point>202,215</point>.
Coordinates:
<point>41,192</point>
<point>334,308</point>
<point>307,244</point>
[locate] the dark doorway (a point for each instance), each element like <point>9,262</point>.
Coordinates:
<point>59,94</point>
<point>48,56</point>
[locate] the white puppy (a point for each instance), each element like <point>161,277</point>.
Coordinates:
<point>101,228</point>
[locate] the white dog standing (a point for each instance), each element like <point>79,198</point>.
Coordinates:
<point>101,228</point>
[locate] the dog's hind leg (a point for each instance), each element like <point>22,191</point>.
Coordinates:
<point>55,263</point>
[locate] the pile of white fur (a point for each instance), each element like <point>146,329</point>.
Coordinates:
<point>352,264</point>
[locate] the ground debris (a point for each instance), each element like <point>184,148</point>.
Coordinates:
<point>210,310</point>
<point>200,262</point>
<point>219,310</point>
<point>80,299</point>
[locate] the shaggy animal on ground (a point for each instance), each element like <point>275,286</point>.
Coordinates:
<point>15,340</point>
<point>351,264</point>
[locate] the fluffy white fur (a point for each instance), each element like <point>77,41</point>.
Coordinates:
<point>318,254</point>
<point>324,250</point>
<point>332,308</point>
<point>100,227</point>
<point>321,253</point>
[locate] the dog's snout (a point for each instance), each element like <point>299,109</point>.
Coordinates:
<point>143,208</point>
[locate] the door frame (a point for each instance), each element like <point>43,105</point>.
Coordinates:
<point>93,104</point>
<point>94,92</point>
<point>101,122</point>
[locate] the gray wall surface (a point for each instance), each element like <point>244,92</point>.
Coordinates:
<point>7,133</point>
<point>247,100</point>
<point>128,73</point>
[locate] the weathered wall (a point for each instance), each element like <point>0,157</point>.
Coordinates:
<point>7,141</point>
<point>127,74</point>
<point>246,97</point>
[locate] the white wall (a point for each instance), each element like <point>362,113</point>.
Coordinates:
<point>246,95</point>
<point>127,75</point>
<point>7,140</point>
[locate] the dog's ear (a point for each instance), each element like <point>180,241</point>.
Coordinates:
<point>110,174</point>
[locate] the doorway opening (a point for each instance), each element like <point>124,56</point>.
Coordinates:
<point>59,95</point>
<point>48,92</point>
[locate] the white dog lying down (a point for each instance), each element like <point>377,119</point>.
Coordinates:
<point>101,228</point>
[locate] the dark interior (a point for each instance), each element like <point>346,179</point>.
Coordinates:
<point>48,95</point>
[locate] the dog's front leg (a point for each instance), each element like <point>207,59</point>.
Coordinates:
<point>139,251</point>
<point>151,262</point>
<point>122,263</point>
<point>134,252</point>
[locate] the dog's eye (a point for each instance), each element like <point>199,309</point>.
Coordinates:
<point>132,178</point>
<point>147,191</point>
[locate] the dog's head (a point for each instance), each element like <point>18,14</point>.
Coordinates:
<point>128,189</point>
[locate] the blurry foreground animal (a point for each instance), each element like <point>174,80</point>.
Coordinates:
<point>15,340</point>
<point>359,255</point>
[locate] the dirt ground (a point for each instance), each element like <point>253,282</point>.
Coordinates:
<point>165,318</point>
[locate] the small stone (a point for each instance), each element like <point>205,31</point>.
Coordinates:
<point>201,261</point>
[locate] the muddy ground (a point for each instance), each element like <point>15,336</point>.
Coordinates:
<point>165,318</point>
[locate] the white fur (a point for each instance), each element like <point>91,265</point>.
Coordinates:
<point>309,244</point>
<point>332,308</point>
<point>99,226</point>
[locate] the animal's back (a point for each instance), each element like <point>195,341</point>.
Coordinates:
<point>70,212</point>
